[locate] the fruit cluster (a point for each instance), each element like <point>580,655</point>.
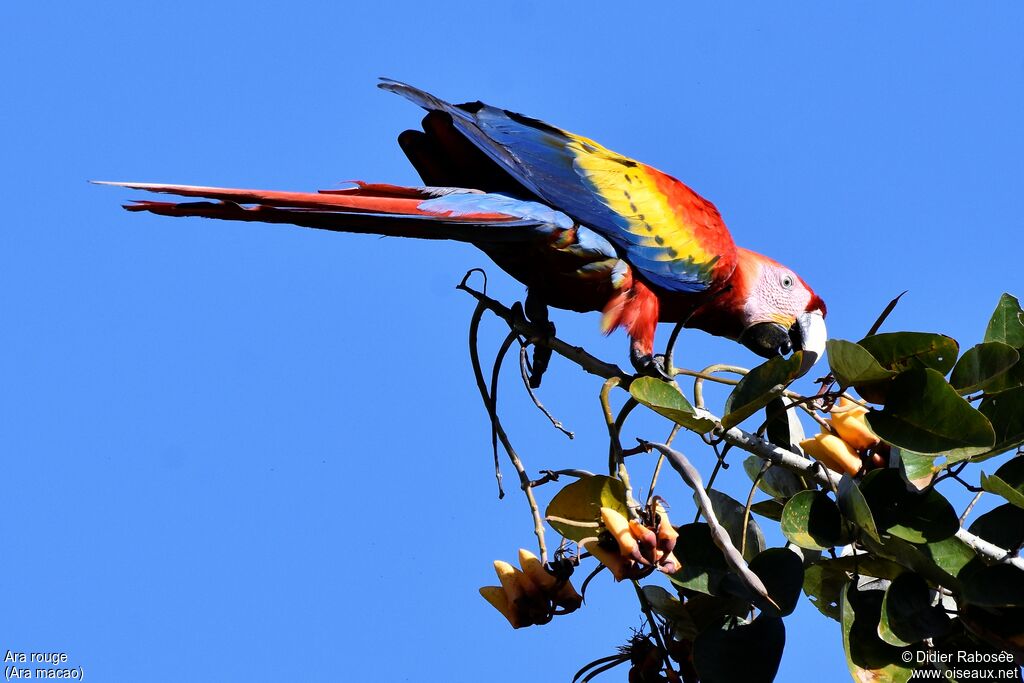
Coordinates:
<point>849,440</point>
<point>532,595</point>
<point>631,549</point>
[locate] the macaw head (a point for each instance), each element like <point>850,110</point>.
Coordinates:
<point>780,313</point>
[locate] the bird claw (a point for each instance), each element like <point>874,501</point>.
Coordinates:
<point>649,365</point>
<point>537,317</point>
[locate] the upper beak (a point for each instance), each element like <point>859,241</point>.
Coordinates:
<point>809,335</point>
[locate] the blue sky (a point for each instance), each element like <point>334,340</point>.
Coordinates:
<point>243,452</point>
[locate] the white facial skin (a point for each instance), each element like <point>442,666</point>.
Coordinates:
<point>778,296</point>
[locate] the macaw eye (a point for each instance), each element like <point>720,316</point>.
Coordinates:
<point>787,282</point>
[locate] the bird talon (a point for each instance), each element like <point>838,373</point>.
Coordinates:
<point>650,365</point>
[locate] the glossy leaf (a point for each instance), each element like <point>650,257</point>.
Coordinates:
<point>782,572</point>
<point>825,580</point>
<point>1005,412</point>
<point>665,399</point>
<point>1001,585</point>
<point>917,468</point>
<point>981,364</point>
<point>812,520</point>
<point>777,482</point>
<point>1007,326</point>
<point>761,643</point>
<point>950,555</point>
<point>1011,379</point>
<point>759,386</point>
<point>771,509</point>
<point>823,586</point>
<point>703,565</point>
<point>868,656</point>
<point>577,506</point>
<point>1007,323</point>
<point>908,615</point>
<point>852,364</point>
<point>899,351</point>
<point>915,516</point>
<point>940,562</point>
<point>924,414</point>
<point>729,512</point>
<point>672,609</point>
<point>784,427</point>
<point>855,508</point>
<point>1002,526</point>
<point>1008,481</point>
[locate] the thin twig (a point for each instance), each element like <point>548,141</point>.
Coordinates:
<point>719,535</point>
<point>708,374</point>
<point>750,501</point>
<point>645,607</point>
<point>557,424</point>
<point>616,460</point>
<point>553,475</point>
<point>661,461</point>
<point>970,506</point>
<point>576,354</point>
<point>524,479</point>
<point>478,374</point>
<point>734,436</point>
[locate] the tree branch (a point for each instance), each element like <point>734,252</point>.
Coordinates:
<point>734,436</point>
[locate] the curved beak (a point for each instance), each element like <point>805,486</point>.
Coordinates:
<point>809,335</point>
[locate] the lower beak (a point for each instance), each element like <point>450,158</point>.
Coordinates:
<point>809,335</point>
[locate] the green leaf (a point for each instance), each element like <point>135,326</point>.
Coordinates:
<point>1008,481</point>
<point>823,586</point>
<point>777,482</point>
<point>924,414</point>
<point>703,565</point>
<point>761,643</point>
<point>672,609</point>
<point>665,399</point>
<point>855,508</point>
<point>1005,412</point>
<point>1007,323</point>
<point>1001,585</point>
<point>782,572</point>
<point>981,364</point>
<point>770,509</point>
<point>865,564</point>
<point>917,468</point>
<point>578,506</point>
<point>950,555</point>
<point>940,562</point>
<point>989,637</point>
<point>908,615</point>
<point>730,514</point>
<point>1011,379</point>
<point>812,520</point>
<point>899,351</point>
<point>710,611</point>
<point>759,386</point>
<point>1002,526</point>
<point>852,364</point>
<point>915,516</point>
<point>825,580</point>
<point>868,656</point>
<point>783,425</point>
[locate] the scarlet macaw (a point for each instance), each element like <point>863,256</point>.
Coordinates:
<point>584,228</point>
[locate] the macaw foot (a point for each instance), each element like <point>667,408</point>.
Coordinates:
<point>649,365</point>
<point>538,317</point>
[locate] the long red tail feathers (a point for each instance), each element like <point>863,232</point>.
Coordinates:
<point>368,197</point>
<point>380,209</point>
